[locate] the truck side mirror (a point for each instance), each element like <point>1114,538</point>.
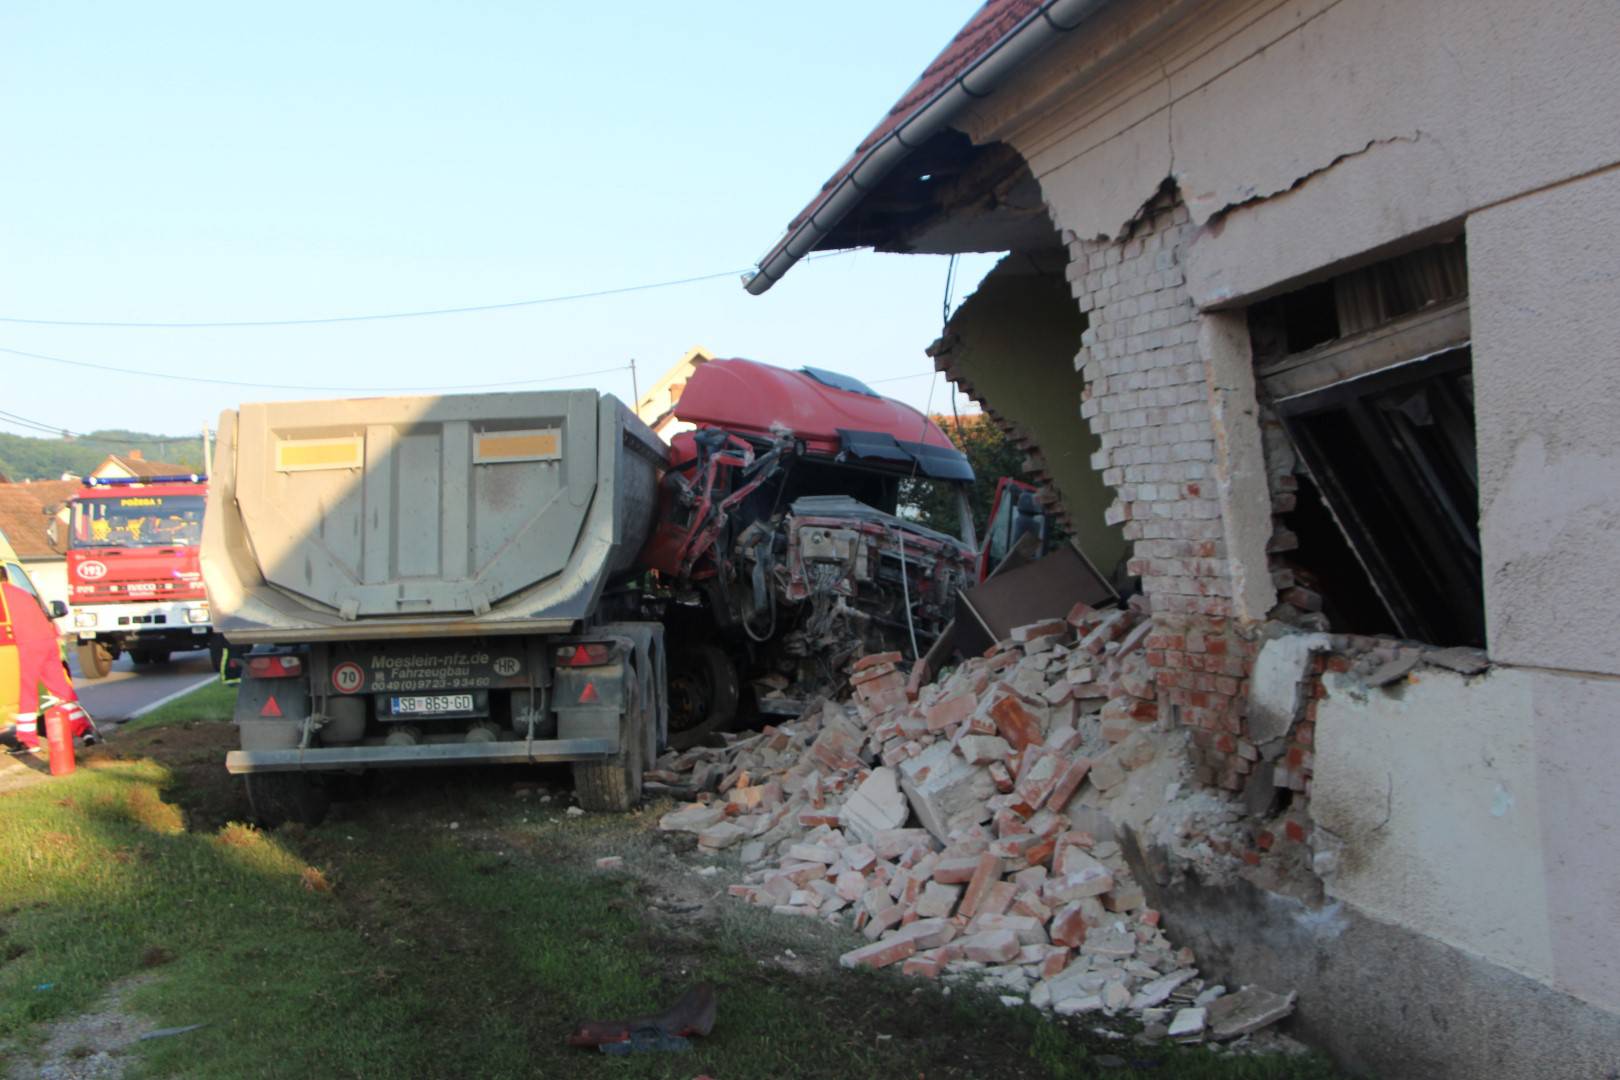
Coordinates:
<point>57,609</point>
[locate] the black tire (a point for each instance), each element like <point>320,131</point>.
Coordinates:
<point>703,694</point>
<point>95,660</point>
<point>614,786</point>
<point>277,798</point>
<point>148,657</point>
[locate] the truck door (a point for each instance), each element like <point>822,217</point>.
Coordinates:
<point>1014,515</point>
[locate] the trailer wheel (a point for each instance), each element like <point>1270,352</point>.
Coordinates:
<point>614,785</point>
<point>703,694</point>
<point>277,798</point>
<point>95,660</point>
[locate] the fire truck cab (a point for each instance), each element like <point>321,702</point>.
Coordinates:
<point>134,579</point>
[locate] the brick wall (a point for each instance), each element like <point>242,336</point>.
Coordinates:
<point>1147,399</point>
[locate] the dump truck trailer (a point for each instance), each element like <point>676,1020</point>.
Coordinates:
<point>436,581</point>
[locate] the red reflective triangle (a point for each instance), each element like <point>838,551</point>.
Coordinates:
<point>270,707</point>
<point>588,694</point>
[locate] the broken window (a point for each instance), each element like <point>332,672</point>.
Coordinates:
<point>1375,391</point>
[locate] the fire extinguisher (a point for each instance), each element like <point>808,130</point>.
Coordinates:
<point>59,737</point>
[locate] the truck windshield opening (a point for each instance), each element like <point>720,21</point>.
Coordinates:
<point>138,520</point>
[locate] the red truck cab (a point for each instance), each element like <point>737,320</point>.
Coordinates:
<point>134,581</point>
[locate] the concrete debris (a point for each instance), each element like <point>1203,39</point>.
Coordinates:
<point>1188,1024</point>
<point>1250,1009</point>
<point>966,829</point>
<point>1396,670</point>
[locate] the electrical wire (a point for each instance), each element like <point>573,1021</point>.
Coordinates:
<point>296,386</point>
<point>60,432</point>
<point>423,313</point>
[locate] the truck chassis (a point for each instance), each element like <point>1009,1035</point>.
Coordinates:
<point>594,699</point>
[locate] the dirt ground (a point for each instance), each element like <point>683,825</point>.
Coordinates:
<point>92,1046</point>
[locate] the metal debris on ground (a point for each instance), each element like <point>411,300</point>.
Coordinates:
<point>670,1030</point>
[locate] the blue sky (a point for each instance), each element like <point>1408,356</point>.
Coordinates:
<point>174,161</point>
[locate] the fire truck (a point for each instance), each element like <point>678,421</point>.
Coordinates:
<point>134,580</point>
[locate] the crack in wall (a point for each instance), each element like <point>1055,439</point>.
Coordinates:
<point>1224,209</point>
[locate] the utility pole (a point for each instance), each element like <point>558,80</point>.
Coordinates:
<point>635,389</point>
<point>208,458</point>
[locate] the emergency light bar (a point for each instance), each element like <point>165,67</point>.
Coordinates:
<point>135,481</point>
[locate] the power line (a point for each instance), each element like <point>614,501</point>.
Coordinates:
<point>23,421</point>
<point>294,386</point>
<point>61,432</point>
<point>104,324</point>
<point>470,309</point>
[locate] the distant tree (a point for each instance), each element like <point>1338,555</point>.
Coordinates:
<point>992,456</point>
<point>24,457</point>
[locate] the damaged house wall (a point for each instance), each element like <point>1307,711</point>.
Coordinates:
<point>1199,157</point>
<point>1012,343</point>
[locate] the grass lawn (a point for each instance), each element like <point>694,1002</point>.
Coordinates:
<point>212,702</point>
<point>452,924</point>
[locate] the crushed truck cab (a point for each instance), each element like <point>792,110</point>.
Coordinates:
<point>784,546</point>
<point>436,580</point>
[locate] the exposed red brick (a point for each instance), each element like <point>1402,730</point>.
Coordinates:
<point>986,873</point>
<point>1015,723</point>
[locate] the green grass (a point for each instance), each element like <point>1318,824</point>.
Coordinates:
<point>386,944</point>
<point>212,702</point>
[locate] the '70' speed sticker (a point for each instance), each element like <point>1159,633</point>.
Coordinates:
<point>348,677</point>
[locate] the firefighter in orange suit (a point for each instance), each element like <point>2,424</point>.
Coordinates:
<point>39,660</point>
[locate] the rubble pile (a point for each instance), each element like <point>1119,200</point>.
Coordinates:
<point>965,827</point>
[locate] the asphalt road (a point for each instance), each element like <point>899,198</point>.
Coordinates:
<point>126,691</point>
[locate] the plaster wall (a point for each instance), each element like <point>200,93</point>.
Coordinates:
<point>1240,461</point>
<point>1477,813</point>
<point>1337,126</point>
<point>1545,280</point>
<point>1016,339</point>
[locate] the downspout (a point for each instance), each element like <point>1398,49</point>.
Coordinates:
<point>984,76</point>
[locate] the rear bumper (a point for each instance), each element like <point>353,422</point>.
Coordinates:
<point>335,758</point>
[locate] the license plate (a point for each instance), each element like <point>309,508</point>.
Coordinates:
<point>424,704</point>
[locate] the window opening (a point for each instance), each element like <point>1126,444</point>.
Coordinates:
<point>1375,391</point>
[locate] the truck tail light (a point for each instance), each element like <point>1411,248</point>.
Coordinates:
<point>275,667</point>
<point>584,655</point>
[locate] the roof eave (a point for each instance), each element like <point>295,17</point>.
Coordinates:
<point>978,80</point>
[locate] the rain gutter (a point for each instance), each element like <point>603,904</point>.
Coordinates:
<point>978,80</point>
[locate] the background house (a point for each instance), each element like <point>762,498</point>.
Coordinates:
<point>656,407</point>
<point>27,512</point>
